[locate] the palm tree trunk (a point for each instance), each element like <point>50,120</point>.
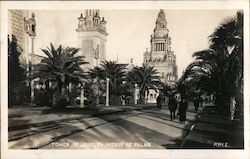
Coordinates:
<point>54,98</point>
<point>97,102</point>
<point>142,96</point>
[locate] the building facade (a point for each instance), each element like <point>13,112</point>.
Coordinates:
<point>160,55</point>
<point>92,38</point>
<point>16,30</point>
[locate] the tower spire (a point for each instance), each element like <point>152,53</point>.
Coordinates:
<point>160,55</point>
<point>161,29</point>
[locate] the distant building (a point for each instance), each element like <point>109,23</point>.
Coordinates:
<point>160,56</point>
<point>92,38</point>
<point>16,29</point>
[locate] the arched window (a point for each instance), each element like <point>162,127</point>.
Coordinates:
<point>33,27</point>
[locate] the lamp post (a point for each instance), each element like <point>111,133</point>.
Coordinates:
<point>107,91</point>
<point>135,94</point>
<point>30,29</point>
<point>82,95</point>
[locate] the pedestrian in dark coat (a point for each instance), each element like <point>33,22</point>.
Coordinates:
<point>172,105</point>
<point>196,103</point>
<point>159,100</point>
<point>182,110</point>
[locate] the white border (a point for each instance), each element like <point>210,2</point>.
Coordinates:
<point>123,154</point>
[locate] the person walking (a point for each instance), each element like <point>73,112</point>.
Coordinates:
<point>159,100</point>
<point>196,103</point>
<point>172,105</point>
<point>183,109</point>
<point>200,101</point>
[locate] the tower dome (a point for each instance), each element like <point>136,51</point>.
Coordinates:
<point>81,22</point>
<point>96,19</point>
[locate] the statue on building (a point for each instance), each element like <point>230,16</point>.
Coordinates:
<point>97,56</point>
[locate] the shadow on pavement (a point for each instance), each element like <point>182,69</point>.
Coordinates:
<point>215,131</point>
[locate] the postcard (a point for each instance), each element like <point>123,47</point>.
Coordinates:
<point>124,79</point>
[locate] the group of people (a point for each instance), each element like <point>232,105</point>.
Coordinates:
<point>173,105</point>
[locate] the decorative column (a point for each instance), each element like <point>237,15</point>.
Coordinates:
<point>82,96</point>
<point>107,91</point>
<point>135,94</point>
<point>32,92</point>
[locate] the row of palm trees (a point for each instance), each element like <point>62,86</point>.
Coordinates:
<point>62,68</point>
<point>58,69</point>
<point>218,70</point>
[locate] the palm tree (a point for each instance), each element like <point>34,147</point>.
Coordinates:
<point>227,39</point>
<point>202,74</point>
<point>97,83</point>
<point>60,67</point>
<point>219,69</point>
<point>116,73</point>
<point>146,77</point>
<point>96,72</point>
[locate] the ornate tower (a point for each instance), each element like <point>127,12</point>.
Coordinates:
<point>160,55</point>
<point>92,38</point>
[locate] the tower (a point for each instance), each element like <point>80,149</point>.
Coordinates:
<point>160,56</point>
<point>92,38</point>
<point>30,29</point>
<point>16,30</point>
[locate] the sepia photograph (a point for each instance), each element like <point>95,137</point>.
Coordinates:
<point>101,78</point>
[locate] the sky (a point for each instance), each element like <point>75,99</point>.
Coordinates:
<point>130,31</point>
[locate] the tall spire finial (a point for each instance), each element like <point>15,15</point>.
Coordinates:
<point>161,14</point>
<point>161,25</point>
<point>81,17</point>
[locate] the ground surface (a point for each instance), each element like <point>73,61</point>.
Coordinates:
<point>120,127</point>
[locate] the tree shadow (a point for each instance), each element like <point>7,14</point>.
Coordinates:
<point>213,128</point>
<point>163,122</point>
